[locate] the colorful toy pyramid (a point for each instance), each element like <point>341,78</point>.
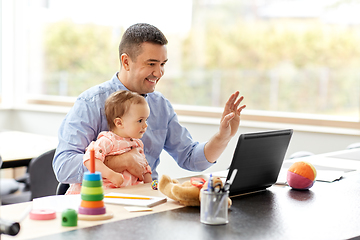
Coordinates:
<point>92,205</point>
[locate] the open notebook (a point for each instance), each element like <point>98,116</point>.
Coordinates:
<point>133,200</point>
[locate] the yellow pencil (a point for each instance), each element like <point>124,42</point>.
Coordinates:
<point>128,197</point>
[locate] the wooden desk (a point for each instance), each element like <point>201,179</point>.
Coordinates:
<point>326,211</point>
<point>18,148</point>
<point>33,229</point>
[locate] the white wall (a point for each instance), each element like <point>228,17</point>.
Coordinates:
<point>47,123</point>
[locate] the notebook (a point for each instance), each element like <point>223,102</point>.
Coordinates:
<point>133,200</point>
<point>258,158</point>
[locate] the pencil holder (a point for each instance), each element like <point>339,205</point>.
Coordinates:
<point>214,207</point>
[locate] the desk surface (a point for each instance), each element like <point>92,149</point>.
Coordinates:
<point>329,211</point>
<point>326,211</point>
<point>18,148</point>
<point>34,229</point>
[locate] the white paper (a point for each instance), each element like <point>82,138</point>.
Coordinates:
<point>138,209</point>
<point>58,203</point>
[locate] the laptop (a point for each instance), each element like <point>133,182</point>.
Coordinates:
<point>258,158</point>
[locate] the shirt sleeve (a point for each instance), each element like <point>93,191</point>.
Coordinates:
<point>80,126</point>
<point>188,153</point>
<point>102,147</point>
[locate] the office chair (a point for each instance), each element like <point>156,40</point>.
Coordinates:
<point>62,188</point>
<point>42,177</point>
<point>8,188</point>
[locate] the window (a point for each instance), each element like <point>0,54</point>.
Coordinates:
<point>291,59</point>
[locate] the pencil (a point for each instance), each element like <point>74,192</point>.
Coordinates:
<point>128,197</point>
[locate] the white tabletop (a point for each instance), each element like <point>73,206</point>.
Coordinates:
<point>15,145</point>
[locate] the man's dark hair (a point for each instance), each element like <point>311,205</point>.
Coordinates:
<point>137,34</point>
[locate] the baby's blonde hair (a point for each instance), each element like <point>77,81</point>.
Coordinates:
<point>118,103</point>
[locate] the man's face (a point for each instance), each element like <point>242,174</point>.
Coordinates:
<point>147,69</point>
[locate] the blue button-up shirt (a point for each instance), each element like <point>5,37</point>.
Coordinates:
<point>86,119</point>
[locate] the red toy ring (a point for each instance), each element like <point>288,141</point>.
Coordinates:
<point>197,182</point>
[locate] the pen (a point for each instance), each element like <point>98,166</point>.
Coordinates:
<point>210,183</point>
<point>230,181</point>
<point>128,197</point>
<point>209,199</point>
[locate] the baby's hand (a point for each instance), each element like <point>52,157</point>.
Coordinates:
<point>116,178</point>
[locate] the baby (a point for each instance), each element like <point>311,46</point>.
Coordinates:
<point>126,114</point>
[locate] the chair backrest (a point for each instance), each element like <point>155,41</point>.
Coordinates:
<point>42,177</point>
<point>62,188</point>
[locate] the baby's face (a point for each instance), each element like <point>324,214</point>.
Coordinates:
<point>134,120</point>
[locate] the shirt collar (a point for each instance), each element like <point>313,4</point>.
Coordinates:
<point>123,86</point>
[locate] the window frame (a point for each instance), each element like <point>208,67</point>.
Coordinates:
<point>247,114</point>
<point>13,91</point>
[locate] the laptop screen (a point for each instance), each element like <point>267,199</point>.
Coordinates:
<point>258,158</point>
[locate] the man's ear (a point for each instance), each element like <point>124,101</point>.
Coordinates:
<point>125,61</point>
<point>118,122</point>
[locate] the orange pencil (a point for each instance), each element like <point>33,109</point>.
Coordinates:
<point>128,197</point>
<point>92,160</point>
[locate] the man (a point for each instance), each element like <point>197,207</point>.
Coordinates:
<point>143,55</point>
